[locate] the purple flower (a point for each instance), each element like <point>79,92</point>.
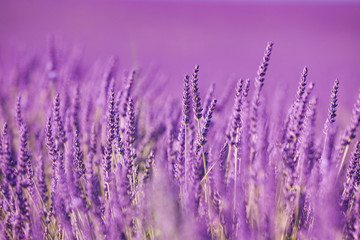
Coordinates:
<point>205,129</point>
<point>78,156</point>
<point>195,93</point>
<point>236,120</point>
<point>19,119</point>
<point>259,83</point>
<point>57,119</point>
<point>333,102</point>
<point>186,100</point>
<point>148,165</point>
<point>352,179</point>
<point>130,131</point>
<point>24,158</point>
<point>8,158</point>
<point>128,88</point>
<point>41,179</point>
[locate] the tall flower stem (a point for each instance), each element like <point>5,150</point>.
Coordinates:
<point>204,163</point>
<point>185,157</point>
<point>236,167</point>
<point>343,160</point>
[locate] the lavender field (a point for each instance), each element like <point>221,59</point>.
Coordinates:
<point>111,130</point>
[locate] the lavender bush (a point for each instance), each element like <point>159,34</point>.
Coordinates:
<point>103,154</point>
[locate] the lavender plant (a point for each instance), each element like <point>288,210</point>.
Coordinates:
<point>127,166</point>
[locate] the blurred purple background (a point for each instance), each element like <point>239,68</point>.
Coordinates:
<point>227,39</point>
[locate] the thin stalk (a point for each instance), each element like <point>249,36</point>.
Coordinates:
<point>7,201</point>
<point>206,180</point>
<point>37,190</point>
<point>133,171</point>
<point>324,155</point>
<point>235,173</point>
<point>199,127</point>
<point>209,170</point>
<point>76,225</point>
<point>297,214</point>
<point>227,164</point>
<point>235,185</point>
<point>324,146</point>
<point>42,202</point>
<point>350,208</point>
<point>185,180</point>
<point>204,162</point>
<point>9,234</point>
<point>249,207</point>
<point>80,217</point>
<point>236,166</point>
<point>280,221</point>
<point>343,160</point>
<point>107,195</point>
<point>298,195</point>
<point>251,190</point>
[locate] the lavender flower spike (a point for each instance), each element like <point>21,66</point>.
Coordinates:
<point>236,121</point>
<point>22,216</point>
<point>128,88</point>
<point>53,152</point>
<point>111,116</point>
<point>355,122</point>
<point>353,225</point>
<point>350,134</point>
<point>263,67</point>
<point>19,119</point>
<point>186,100</point>
<point>148,165</point>
<point>51,143</point>
<point>57,118</point>
<point>205,128</point>
<point>196,94</point>
<point>302,85</point>
<point>93,141</point>
<point>24,158</point>
<point>78,156</point>
<point>8,158</point>
<point>333,102</point>
<point>352,179</point>
<point>108,151</point>
<point>179,169</point>
<point>208,97</point>
<point>131,123</point>
<point>109,74</point>
<point>76,109</point>
<point>259,83</point>
<point>52,64</point>
<point>41,180</point>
